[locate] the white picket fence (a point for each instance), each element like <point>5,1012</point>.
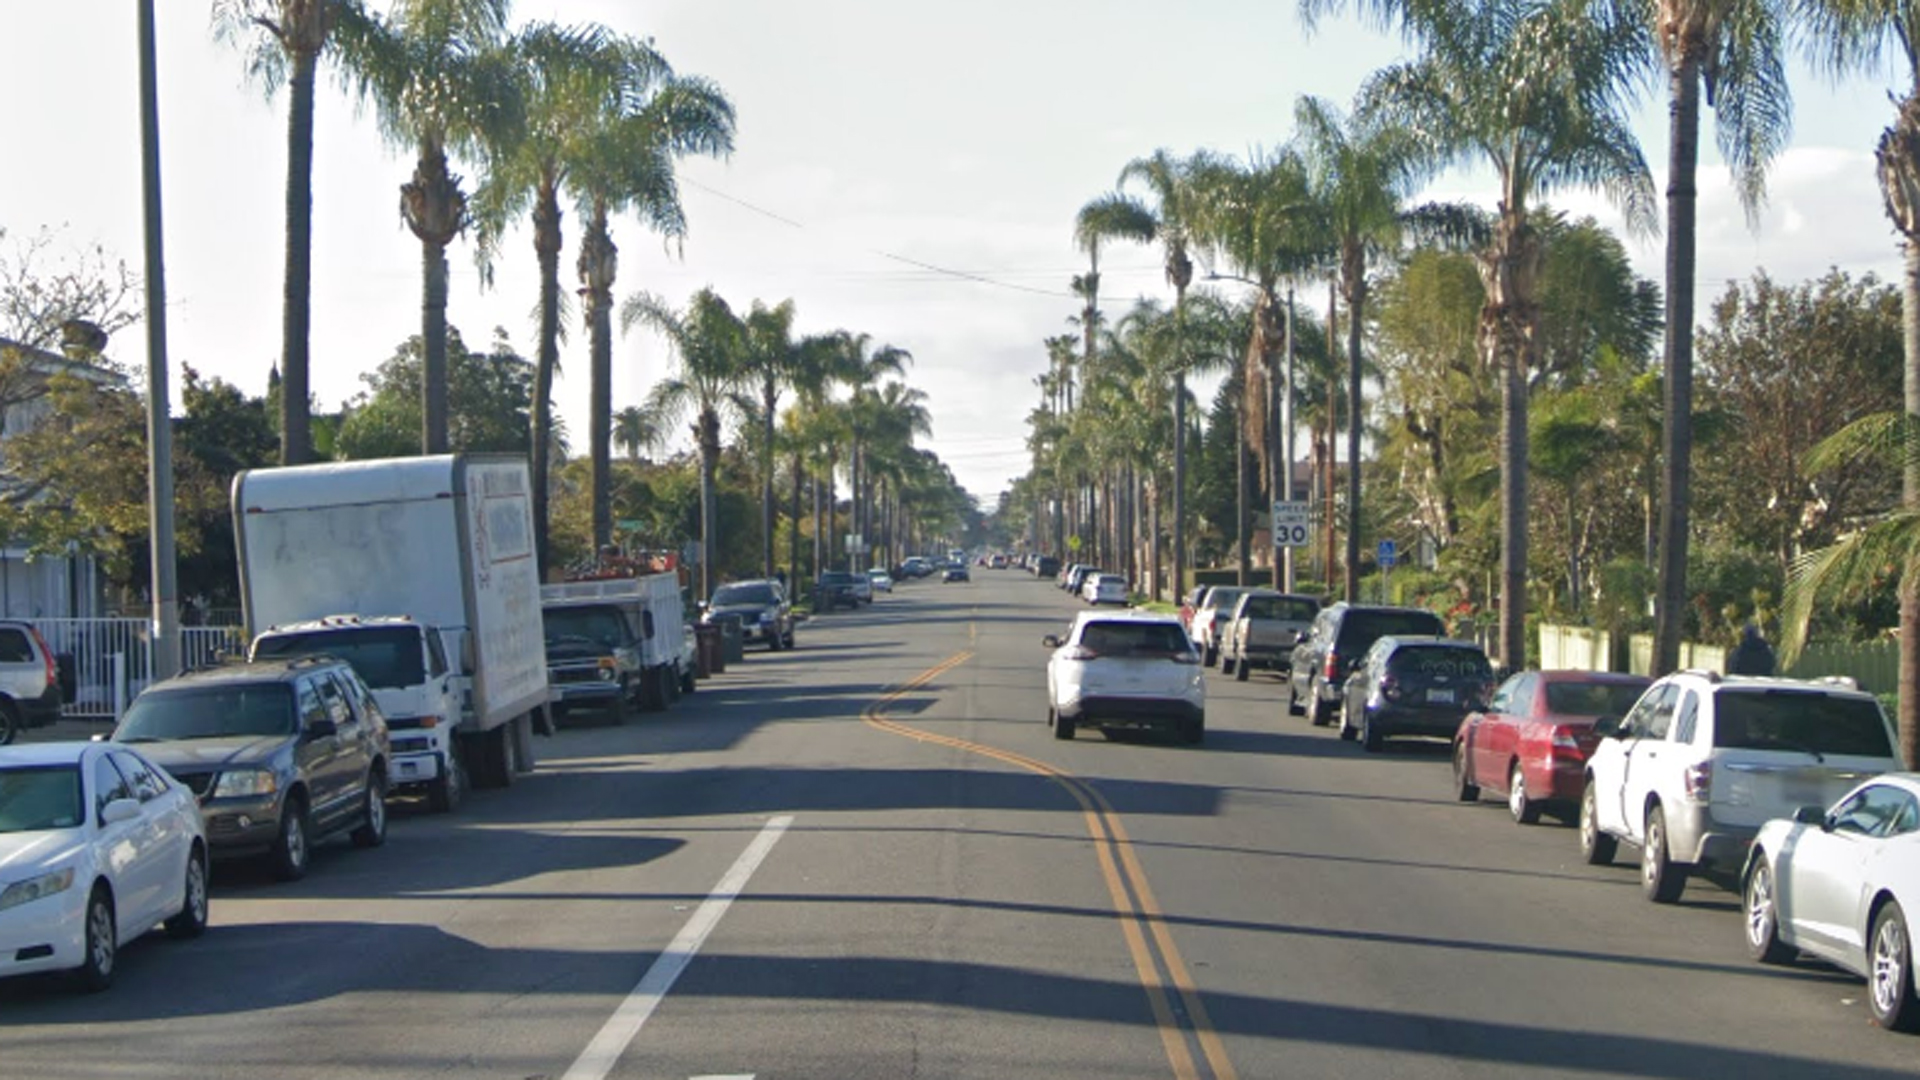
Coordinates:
<point>105,662</point>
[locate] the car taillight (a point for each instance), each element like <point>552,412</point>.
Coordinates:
<point>46,654</point>
<point>1563,739</point>
<point>1332,671</point>
<point>1079,652</point>
<point>1389,688</point>
<point>1699,781</point>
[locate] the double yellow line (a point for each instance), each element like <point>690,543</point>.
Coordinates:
<point>1142,922</point>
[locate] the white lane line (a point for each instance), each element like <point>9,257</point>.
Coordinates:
<point>598,1059</point>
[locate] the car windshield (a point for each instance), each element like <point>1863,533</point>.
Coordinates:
<point>1362,628</point>
<point>742,595</point>
<point>1124,638</point>
<point>1593,698</point>
<point>602,625</point>
<point>1223,597</point>
<point>36,798</point>
<point>1432,661</point>
<point>1290,608</point>
<point>385,657</point>
<point>1804,720</point>
<point>209,712</point>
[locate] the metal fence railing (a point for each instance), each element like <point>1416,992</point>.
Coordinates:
<point>103,663</point>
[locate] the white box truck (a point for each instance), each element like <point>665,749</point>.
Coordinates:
<point>617,643</point>
<point>421,572</point>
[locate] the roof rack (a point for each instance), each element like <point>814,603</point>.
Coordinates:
<point>1708,674</point>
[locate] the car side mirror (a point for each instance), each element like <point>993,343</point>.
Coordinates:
<point>1607,727</point>
<point>322,729</point>
<point>1812,815</point>
<point>119,810</point>
<point>1051,641</point>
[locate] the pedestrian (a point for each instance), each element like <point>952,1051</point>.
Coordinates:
<point>1753,656</point>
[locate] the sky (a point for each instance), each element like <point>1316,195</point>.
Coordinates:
<point>873,135</point>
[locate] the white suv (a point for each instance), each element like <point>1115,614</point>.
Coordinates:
<point>1126,669</point>
<point>1703,761</point>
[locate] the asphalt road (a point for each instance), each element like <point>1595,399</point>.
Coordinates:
<point>928,884</point>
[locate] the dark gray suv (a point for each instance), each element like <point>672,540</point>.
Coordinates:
<point>280,754</point>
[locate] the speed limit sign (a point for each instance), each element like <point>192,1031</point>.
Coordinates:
<point>1290,525</point>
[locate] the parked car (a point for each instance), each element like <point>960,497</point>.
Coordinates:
<point>955,572</point>
<point>98,847</point>
<point>1190,604</point>
<point>1046,566</point>
<point>1105,589</point>
<point>1209,616</point>
<point>915,566</point>
<point>1125,669</point>
<point>1075,575</point>
<point>1530,744</point>
<point>281,754</point>
<point>1704,760</point>
<point>879,580</point>
<point>834,590</point>
<point>1837,883</point>
<point>29,680</point>
<point>1263,629</point>
<point>1341,634</point>
<point>760,607</point>
<point>1415,685</point>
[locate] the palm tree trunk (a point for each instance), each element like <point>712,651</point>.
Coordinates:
<point>1676,487</point>
<point>793,536</point>
<point>1153,515</point>
<point>1908,705</point>
<point>1333,420</point>
<point>816,527</point>
<point>1242,532</point>
<point>1180,447</point>
<point>769,400</point>
<point>433,330</point>
<point>546,247</point>
<point>1356,301</point>
<point>296,435</point>
<point>598,264</point>
<point>709,511</point>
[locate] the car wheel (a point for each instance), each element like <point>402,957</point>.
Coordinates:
<point>1316,709</point>
<point>95,972</point>
<point>191,920</point>
<point>1293,699</point>
<point>1596,847</point>
<point>1661,878</point>
<point>446,791</point>
<point>1464,789</point>
<point>1890,978</point>
<point>1226,663</point>
<point>788,642</point>
<point>373,812</point>
<point>1525,811</point>
<point>689,680</point>
<point>621,709</point>
<point>773,643</point>
<point>9,723</point>
<point>1062,726</point>
<point>1371,737</point>
<point>292,848</point>
<point>1212,655</point>
<point>1347,731</point>
<point>1241,670</point>
<point>1193,732</point>
<point>1763,917</point>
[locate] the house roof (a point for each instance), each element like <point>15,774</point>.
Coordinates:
<point>54,363</point>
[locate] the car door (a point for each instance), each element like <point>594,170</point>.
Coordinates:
<point>1306,655</point>
<point>118,844</point>
<point>1494,736</point>
<point>348,762</point>
<point>159,854</point>
<point>1826,870</point>
<point>315,753</point>
<point>1648,759</point>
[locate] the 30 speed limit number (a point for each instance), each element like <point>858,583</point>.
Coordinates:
<point>1291,524</point>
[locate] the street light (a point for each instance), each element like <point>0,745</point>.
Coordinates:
<point>166,605</point>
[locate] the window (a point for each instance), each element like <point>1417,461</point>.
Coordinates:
<point>436,656</point>
<point>1593,698</point>
<point>1289,608</point>
<point>386,656</point>
<point>146,784</point>
<point>1425,662</point>
<point>1809,721</point>
<point>1872,811</point>
<point>108,784</point>
<point>1689,719</point>
<point>1908,820</point>
<point>312,710</point>
<point>14,647</point>
<point>208,712</point>
<point>1640,722</point>
<point>1123,638</point>
<point>36,798</point>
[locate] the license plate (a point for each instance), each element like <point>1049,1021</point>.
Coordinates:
<point>1440,697</point>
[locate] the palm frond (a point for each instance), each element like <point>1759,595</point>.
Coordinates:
<point>1868,562</point>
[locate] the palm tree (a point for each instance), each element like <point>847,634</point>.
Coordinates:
<point>637,428</point>
<point>442,85</point>
<point>1534,90</point>
<point>1847,36</point>
<point>859,366</point>
<point>286,39</point>
<point>1734,46</point>
<point>775,362</point>
<point>1169,223</point>
<point>709,341</point>
<point>629,165</point>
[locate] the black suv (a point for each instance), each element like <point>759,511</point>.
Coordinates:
<point>1415,686</point>
<point>834,589</point>
<point>280,754</point>
<point>1341,634</point>
<point>761,609</point>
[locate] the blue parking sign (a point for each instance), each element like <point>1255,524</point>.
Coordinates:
<point>1386,553</point>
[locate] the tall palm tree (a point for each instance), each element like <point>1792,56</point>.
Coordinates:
<point>708,338</point>
<point>569,78</point>
<point>442,85</point>
<point>1734,47</point>
<point>285,40</point>
<point>775,361</point>
<point>637,428</point>
<point>629,166</point>
<point>1535,90</point>
<point>861,364</point>
<point>1848,36</point>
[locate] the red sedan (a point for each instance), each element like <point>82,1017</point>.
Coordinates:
<point>1531,743</point>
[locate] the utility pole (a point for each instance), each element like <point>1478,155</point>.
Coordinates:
<point>166,604</point>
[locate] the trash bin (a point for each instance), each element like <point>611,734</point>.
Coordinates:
<point>733,642</point>
<point>707,651</point>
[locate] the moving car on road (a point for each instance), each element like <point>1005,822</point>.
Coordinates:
<point>956,571</point>
<point>280,754</point>
<point>1531,742</point>
<point>1414,686</point>
<point>1704,760</point>
<point>97,847</point>
<point>1838,883</point>
<point>1341,634</point>
<point>1263,629</point>
<point>1125,669</point>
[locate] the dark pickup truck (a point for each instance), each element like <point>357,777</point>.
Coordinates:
<point>835,589</point>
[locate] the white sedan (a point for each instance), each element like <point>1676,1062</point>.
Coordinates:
<point>97,847</point>
<point>882,581</point>
<point>1837,884</point>
<point>1105,589</point>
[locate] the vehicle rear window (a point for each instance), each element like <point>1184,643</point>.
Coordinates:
<point>1799,720</point>
<point>14,648</point>
<point>1452,661</point>
<point>35,798</point>
<point>1290,608</point>
<point>1222,597</point>
<point>1593,699</point>
<point>210,713</point>
<point>1362,628</point>
<point>1121,638</point>
<point>386,657</point>
<point>728,595</point>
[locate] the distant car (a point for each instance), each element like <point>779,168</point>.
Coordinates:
<point>1837,883</point>
<point>1046,566</point>
<point>955,572</point>
<point>835,589</point>
<point>1105,589</point>
<point>1190,604</point>
<point>97,846</point>
<point>1209,617</point>
<point>29,680</point>
<point>914,566</point>
<point>862,587</point>
<point>997,562</point>
<point>761,609</point>
<point>281,754</point>
<point>1530,744</point>
<point>1125,669</point>
<point>1077,577</point>
<point>1262,631</point>
<point>1414,685</point>
<point>880,580</point>
<point>1341,634</point>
